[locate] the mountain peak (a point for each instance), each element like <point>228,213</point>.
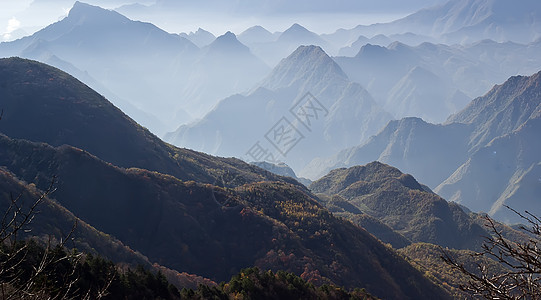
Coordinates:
<point>201,31</point>
<point>517,89</point>
<point>257,29</point>
<point>307,63</point>
<point>83,12</point>
<point>228,42</point>
<point>297,33</point>
<point>296,27</point>
<point>200,38</point>
<point>371,50</point>
<point>309,50</point>
<point>340,179</point>
<point>256,34</point>
<point>503,109</point>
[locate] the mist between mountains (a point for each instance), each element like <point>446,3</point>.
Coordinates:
<point>284,135</point>
<point>290,129</point>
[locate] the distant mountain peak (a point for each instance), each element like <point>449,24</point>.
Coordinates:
<point>256,34</point>
<point>83,12</point>
<point>228,35</point>
<point>307,63</point>
<point>200,38</point>
<point>297,27</point>
<point>228,42</point>
<point>257,28</point>
<point>201,31</point>
<point>297,32</point>
<point>517,89</point>
<point>370,50</point>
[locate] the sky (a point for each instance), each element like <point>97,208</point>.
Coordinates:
<point>23,17</point>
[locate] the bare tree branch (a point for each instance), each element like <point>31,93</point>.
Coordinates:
<point>522,262</point>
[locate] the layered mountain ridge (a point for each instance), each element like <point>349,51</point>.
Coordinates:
<point>401,203</point>
<point>494,132</point>
<point>114,55</point>
<point>256,218</point>
<point>307,89</point>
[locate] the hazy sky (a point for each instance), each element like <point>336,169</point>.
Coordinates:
<point>23,17</point>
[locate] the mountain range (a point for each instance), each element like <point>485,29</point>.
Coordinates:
<point>463,21</point>
<point>483,157</point>
<point>106,50</point>
<point>403,155</point>
<point>400,202</point>
<point>307,95</point>
<point>116,54</point>
<point>257,218</point>
<point>433,81</point>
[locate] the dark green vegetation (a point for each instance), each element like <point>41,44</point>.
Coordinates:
<point>214,232</point>
<point>398,210</point>
<point>78,277</point>
<point>252,283</point>
<point>92,277</point>
<point>166,204</point>
<point>484,157</point>
<point>44,104</point>
<point>398,201</point>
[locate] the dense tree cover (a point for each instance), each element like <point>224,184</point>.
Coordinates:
<point>210,216</point>
<point>72,275</point>
<point>44,104</point>
<point>215,232</point>
<point>253,283</point>
<point>400,202</point>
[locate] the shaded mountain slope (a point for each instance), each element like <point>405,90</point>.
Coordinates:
<point>214,232</point>
<point>43,104</point>
<point>282,170</point>
<point>505,172</point>
<point>409,144</point>
<point>427,257</point>
<point>51,219</point>
<point>119,54</point>
<point>502,110</point>
<point>487,154</point>
<point>399,201</point>
<point>196,227</point>
<point>52,222</point>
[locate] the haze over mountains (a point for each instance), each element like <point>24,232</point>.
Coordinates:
<point>309,80</point>
<point>490,147</point>
<point>342,157</point>
<point>187,82</point>
<point>463,21</point>
<point>160,215</point>
<point>117,55</point>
